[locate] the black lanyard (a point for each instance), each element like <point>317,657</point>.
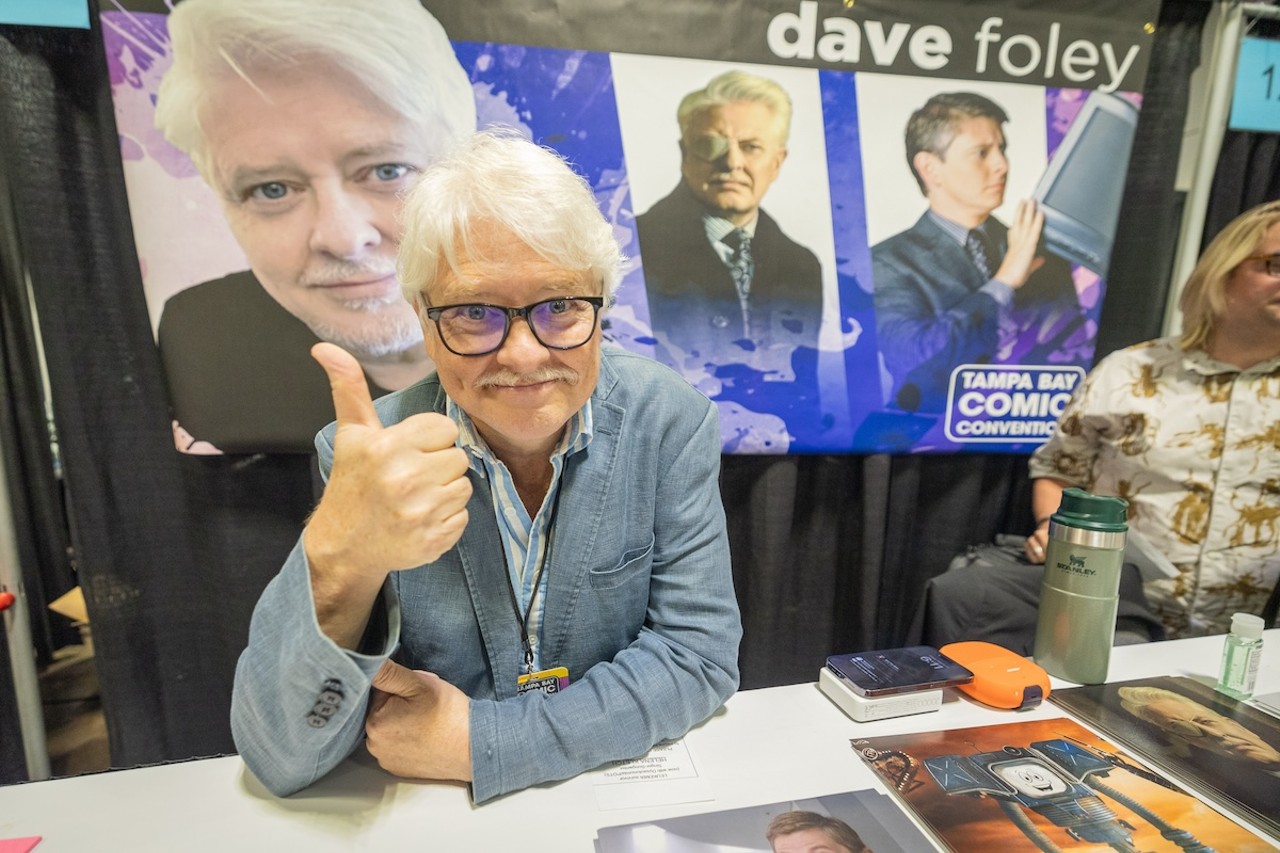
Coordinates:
<point>523,619</point>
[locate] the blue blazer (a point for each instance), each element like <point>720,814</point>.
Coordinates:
<point>933,314</point>
<point>640,607</point>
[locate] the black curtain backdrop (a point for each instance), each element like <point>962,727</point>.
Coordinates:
<point>13,761</point>
<point>830,552</point>
<point>1248,172</point>
<point>1151,213</point>
<point>31,484</point>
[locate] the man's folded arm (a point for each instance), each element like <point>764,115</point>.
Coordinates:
<point>299,702</point>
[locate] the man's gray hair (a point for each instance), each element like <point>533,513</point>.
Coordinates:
<point>497,178</point>
<point>394,49</point>
<point>738,86</point>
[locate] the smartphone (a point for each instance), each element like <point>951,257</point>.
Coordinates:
<point>888,671</point>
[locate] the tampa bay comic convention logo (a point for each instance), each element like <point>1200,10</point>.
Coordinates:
<point>1008,403</point>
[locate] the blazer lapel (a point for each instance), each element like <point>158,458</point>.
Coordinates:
<point>485,569</point>
<point>955,260</point>
<point>580,525</point>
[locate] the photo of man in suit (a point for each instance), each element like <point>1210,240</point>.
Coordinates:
<point>724,283</point>
<point>308,128</point>
<point>959,286</point>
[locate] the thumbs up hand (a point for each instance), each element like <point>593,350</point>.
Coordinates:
<point>396,498</point>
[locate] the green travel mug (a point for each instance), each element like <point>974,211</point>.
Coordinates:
<point>1076,623</point>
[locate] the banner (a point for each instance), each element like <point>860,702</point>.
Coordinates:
<point>914,262</point>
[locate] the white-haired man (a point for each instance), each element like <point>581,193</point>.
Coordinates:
<point>1219,742</point>
<point>519,569</point>
<point>308,118</point>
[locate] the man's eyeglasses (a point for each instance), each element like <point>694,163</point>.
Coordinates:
<point>1270,264</point>
<point>476,328</point>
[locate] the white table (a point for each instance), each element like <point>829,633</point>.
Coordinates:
<point>766,746</point>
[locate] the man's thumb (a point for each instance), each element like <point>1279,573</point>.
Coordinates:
<point>396,679</point>
<point>351,401</point>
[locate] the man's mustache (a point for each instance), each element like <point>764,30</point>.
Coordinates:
<point>338,272</point>
<point>727,178</point>
<point>504,377</point>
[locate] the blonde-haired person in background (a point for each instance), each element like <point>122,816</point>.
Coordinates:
<point>308,119</point>
<point>1187,430</point>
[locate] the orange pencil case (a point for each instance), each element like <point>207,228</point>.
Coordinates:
<point>1001,678</point>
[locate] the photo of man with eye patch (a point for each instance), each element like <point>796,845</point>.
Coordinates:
<point>1230,750</point>
<point>724,283</point>
<point>309,129</point>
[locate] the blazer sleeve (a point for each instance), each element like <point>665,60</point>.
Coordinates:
<point>299,700</point>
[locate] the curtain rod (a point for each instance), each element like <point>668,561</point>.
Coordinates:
<point>1260,10</point>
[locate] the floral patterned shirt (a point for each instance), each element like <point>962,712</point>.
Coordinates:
<point>1194,445</point>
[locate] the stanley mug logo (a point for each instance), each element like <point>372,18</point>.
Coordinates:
<point>1075,565</point>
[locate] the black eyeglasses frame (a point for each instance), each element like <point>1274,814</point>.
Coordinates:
<point>433,314</point>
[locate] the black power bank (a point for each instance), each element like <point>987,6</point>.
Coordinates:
<point>887,671</point>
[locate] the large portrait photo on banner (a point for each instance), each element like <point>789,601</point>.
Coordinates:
<point>296,134</point>
<point>982,319</point>
<point>727,167</point>
<point>882,230</point>
<point>243,278</point>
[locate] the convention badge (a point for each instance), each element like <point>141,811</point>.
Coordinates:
<point>549,681</point>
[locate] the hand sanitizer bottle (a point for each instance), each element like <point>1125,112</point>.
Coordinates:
<point>1240,656</point>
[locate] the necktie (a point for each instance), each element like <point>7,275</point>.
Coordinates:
<point>742,267</point>
<point>979,249</point>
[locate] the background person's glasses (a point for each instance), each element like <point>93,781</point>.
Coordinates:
<point>476,328</point>
<point>1270,264</point>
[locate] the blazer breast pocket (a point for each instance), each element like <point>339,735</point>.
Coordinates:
<point>634,563</point>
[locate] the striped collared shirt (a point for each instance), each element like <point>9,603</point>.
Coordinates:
<point>717,228</point>
<point>524,540</point>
